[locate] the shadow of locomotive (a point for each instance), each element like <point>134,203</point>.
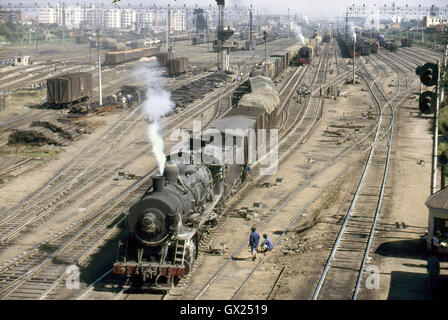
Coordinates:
<point>415,286</point>
<point>101,262</point>
<point>410,249</point>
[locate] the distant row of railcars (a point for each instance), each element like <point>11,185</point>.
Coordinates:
<point>117,57</point>
<point>279,61</point>
<point>363,46</point>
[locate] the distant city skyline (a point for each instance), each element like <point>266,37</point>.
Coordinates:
<point>322,8</point>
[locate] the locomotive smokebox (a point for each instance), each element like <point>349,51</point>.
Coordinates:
<point>171,172</point>
<point>158,183</point>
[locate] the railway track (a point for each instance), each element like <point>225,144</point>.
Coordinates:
<point>210,284</point>
<point>220,278</point>
<point>22,280</point>
<point>293,80</point>
<point>343,272</point>
<point>68,245</point>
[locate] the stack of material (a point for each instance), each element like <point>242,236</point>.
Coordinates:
<point>197,89</point>
<point>67,131</point>
<point>36,136</point>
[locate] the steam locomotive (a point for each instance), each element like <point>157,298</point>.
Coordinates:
<point>163,228</point>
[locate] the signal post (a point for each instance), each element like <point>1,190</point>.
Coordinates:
<point>429,103</point>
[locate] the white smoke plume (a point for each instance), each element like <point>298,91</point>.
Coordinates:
<point>352,28</point>
<point>157,104</point>
<point>306,20</point>
<point>299,35</point>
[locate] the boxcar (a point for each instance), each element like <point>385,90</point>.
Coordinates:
<point>284,55</point>
<point>150,52</point>
<point>177,66</point>
<point>69,88</point>
<point>163,57</point>
<point>406,42</point>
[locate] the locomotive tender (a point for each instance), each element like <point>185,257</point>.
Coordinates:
<point>165,225</point>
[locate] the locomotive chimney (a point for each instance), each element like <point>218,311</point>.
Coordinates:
<point>171,172</point>
<point>158,183</point>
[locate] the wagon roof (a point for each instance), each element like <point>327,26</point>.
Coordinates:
<point>74,75</point>
<point>236,122</point>
<point>263,95</point>
<point>438,200</point>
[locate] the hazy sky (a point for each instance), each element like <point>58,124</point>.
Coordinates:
<point>327,8</point>
<point>308,7</point>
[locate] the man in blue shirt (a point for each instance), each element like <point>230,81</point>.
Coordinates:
<point>267,244</point>
<point>253,243</point>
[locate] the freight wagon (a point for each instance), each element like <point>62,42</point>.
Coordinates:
<point>406,42</point>
<point>177,66</point>
<point>82,39</point>
<point>69,89</point>
<point>164,57</point>
<point>116,57</point>
<point>285,57</point>
<point>390,45</point>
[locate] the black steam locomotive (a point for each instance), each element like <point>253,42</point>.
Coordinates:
<point>165,225</point>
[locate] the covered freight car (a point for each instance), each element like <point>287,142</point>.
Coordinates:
<point>177,66</point>
<point>69,88</point>
<point>164,57</point>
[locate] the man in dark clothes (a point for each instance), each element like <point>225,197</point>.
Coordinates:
<point>253,243</point>
<point>433,267</point>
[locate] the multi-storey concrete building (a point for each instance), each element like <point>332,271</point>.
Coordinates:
<point>16,16</point>
<point>144,19</point>
<point>50,14</point>
<point>128,19</point>
<point>430,20</point>
<point>112,18</point>
<point>178,21</point>
<point>73,16</point>
<point>95,17</point>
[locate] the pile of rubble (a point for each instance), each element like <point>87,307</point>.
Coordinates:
<point>197,89</point>
<point>45,132</point>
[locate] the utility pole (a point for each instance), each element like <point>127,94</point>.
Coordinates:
<point>250,29</point>
<point>354,46</point>
<point>99,67</point>
<point>168,29</point>
<point>220,29</point>
<point>435,140</point>
<point>63,27</point>
<point>288,23</point>
<point>444,63</point>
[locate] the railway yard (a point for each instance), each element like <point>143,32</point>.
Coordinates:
<point>82,190</point>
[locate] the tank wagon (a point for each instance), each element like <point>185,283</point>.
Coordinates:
<point>117,57</point>
<point>164,227</point>
<point>68,89</point>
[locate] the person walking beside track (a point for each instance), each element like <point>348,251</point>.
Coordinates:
<point>253,243</point>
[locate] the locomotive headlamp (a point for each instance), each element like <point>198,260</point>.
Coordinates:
<point>148,223</point>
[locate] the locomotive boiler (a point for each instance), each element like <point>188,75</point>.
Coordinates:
<point>161,240</point>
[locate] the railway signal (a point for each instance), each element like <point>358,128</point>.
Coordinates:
<point>428,74</point>
<point>427,102</point>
